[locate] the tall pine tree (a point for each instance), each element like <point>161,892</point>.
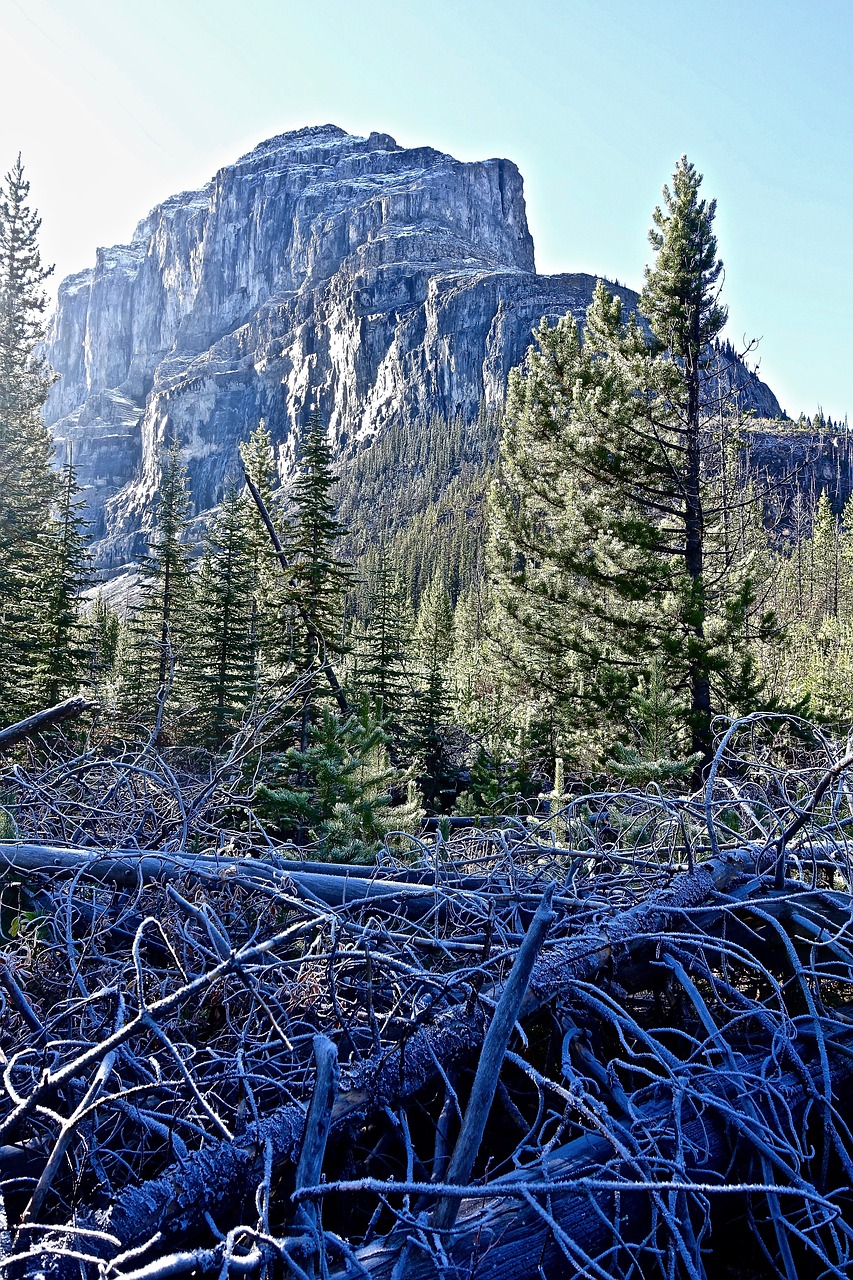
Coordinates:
<point>27,484</point>
<point>220,658</point>
<point>611,557</point>
<point>271,625</point>
<point>430,713</point>
<point>155,634</point>
<point>382,667</point>
<point>63,652</point>
<point>320,578</point>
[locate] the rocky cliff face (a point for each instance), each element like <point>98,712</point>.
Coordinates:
<point>321,270</point>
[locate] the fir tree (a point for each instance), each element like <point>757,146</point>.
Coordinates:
<point>825,558</point>
<point>103,627</point>
<point>271,629</point>
<point>481,702</point>
<point>27,484</point>
<point>155,634</point>
<point>320,578</point>
<point>428,723</point>
<point>61,662</point>
<point>494,787</point>
<point>654,718</point>
<point>383,649</point>
<point>220,660</point>
<point>339,789</point>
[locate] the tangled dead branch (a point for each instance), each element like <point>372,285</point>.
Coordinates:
<point>624,1053</point>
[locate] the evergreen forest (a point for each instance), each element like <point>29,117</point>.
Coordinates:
<point>581,583</point>
<point>437,862</point>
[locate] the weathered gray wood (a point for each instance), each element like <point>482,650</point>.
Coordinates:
<point>210,1178</point>
<point>317,1125</point>
<point>505,1238</point>
<point>70,709</point>
<point>319,1118</point>
<point>491,1061</point>
<point>19,1000</point>
<point>129,868</point>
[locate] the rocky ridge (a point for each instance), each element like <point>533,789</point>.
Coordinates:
<point>321,270</point>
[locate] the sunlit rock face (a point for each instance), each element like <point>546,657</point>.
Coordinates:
<point>322,270</point>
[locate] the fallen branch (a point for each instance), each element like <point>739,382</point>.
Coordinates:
<point>681,1037</point>
<point>491,1060</point>
<point>177,1201</point>
<point>560,1212</point>
<point>70,709</point>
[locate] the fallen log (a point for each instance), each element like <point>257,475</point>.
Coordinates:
<point>210,1180</point>
<point>128,868</point>
<point>572,1207</point>
<point>70,709</point>
<point>641,1017</point>
<point>495,1046</point>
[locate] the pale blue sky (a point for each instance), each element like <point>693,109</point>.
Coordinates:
<point>116,104</point>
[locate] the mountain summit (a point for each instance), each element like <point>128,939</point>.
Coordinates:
<point>368,280</point>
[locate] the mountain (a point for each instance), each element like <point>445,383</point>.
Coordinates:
<point>374,282</point>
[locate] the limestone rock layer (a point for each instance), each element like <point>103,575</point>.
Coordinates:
<point>322,270</point>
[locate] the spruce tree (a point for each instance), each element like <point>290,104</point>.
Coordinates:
<point>826,553</point>
<point>220,656</point>
<point>271,629</point>
<point>814,596</point>
<point>61,661</point>
<point>430,713</point>
<point>103,627</point>
<point>315,589</point>
<point>338,790</point>
<point>27,484</point>
<point>320,578</point>
<point>155,635</point>
<point>384,644</point>
<point>611,556</point>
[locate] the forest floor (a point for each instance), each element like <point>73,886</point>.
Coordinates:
<point>611,1041</point>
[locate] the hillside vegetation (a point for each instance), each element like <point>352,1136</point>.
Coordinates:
<point>442,868</point>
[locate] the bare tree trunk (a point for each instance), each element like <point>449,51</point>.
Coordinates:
<point>70,709</point>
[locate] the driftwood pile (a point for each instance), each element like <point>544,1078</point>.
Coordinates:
<point>615,1041</point>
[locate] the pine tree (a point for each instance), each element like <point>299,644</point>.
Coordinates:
<point>27,484</point>
<point>271,626</point>
<point>384,643</point>
<point>609,547</point>
<point>320,579</point>
<point>154,637</point>
<point>339,789</point>
<point>825,561</point>
<point>428,723</point>
<point>494,786</point>
<point>554,523</point>
<point>681,301</point>
<point>220,659</point>
<point>61,661</point>
<point>813,588</point>
<point>103,630</point>
<point>653,724</point>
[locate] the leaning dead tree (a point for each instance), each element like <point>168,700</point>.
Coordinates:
<point>616,1041</point>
